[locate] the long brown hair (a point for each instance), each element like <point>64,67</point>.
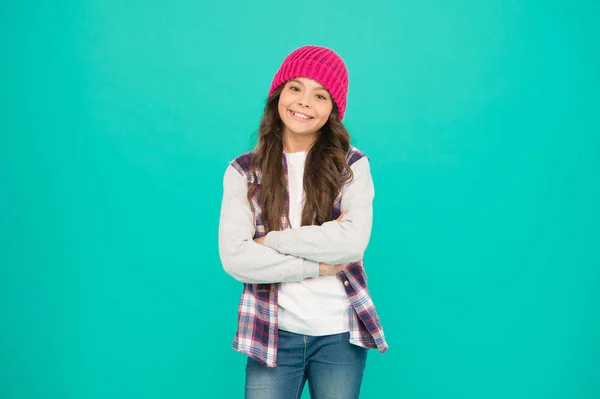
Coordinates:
<point>325,171</point>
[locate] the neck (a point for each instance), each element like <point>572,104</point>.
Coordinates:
<point>297,143</point>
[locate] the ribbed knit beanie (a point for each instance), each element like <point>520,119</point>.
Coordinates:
<point>320,64</point>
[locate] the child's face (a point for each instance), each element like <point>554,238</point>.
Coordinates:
<point>304,106</point>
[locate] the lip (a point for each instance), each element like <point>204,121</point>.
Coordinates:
<point>291,113</point>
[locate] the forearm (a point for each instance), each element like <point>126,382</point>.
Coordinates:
<point>241,257</point>
<point>249,262</point>
<point>335,241</point>
<point>332,242</point>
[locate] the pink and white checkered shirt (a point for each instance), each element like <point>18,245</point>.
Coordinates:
<point>257,313</point>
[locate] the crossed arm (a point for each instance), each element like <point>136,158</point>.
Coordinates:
<point>298,253</point>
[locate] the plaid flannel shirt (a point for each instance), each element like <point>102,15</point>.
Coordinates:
<point>257,312</point>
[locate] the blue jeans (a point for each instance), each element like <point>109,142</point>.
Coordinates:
<point>332,365</point>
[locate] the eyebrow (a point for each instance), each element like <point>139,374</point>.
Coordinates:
<point>316,88</point>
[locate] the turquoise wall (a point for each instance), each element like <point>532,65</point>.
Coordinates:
<point>120,117</point>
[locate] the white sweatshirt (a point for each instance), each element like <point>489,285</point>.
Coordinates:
<point>307,304</point>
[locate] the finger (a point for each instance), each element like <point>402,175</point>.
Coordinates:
<point>339,219</point>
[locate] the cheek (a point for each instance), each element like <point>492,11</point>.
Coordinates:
<point>325,111</point>
<point>285,100</point>
<point>281,108</point>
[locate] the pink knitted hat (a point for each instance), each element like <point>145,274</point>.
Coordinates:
<point>320,64</point>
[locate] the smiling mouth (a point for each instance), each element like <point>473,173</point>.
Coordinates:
<point>300,116</point>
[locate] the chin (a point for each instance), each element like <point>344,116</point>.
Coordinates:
<point>305,131</point>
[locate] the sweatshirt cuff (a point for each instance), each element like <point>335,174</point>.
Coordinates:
<point>272,240</point>
<point>311,269</point>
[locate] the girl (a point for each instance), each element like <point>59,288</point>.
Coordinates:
<point>295,221</point>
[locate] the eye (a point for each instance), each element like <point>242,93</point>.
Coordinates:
<point>321,97</point>
<point>294,88</point>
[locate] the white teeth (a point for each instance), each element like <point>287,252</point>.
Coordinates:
<point>301,115</point>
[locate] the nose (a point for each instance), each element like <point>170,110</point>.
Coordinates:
<point>304,102</point>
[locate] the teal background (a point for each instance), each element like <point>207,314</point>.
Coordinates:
<point>120,117</point>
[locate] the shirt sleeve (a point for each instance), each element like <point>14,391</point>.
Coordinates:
<point>241,257</point>
<point>335,242</point>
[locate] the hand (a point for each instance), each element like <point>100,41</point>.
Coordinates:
<point>339,219</point>
<point>331,270</point>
